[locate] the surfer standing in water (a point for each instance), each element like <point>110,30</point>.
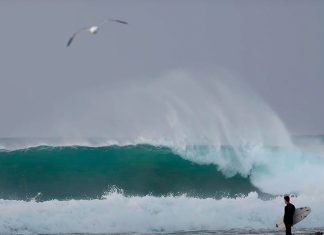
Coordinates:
<point>289,214</point>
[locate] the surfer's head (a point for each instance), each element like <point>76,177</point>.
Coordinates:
<point>287,199</point>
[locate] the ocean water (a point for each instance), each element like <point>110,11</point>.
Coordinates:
<point>144,188</point>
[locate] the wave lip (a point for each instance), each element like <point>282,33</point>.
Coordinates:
<point>12,144</point>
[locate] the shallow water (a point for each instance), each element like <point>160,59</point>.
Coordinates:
<point>301,231</point>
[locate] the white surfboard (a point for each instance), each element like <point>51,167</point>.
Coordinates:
<point>300,214</point>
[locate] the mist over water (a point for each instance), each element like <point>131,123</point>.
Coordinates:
<point>178,108</point>
<point>182,109</point>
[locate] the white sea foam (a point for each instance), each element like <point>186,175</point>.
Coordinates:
<point>117,213</point>
<point>273,170</point>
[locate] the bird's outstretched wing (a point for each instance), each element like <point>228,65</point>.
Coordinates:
<point>118,21</point>
<point>73,36</point>
<point>71,39</point>
<point>113,20</point>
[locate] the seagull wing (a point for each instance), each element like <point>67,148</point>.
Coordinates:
<point>71,39</point>
<point>118,21</point>
<point>73,36</point>
<point>113,20</point>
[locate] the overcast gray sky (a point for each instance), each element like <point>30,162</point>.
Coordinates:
<point>276,47</point>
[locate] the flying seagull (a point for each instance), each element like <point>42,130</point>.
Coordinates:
<point>93,29</point>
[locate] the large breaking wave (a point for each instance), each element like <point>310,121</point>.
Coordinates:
<point>78,172</point>
<point>180,152</point>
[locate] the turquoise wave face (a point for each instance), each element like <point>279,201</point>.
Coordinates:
<point>78,172</point>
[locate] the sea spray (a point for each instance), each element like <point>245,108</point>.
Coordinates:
<point>177,109</point>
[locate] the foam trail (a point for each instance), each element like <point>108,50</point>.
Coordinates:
<point>117,213</point>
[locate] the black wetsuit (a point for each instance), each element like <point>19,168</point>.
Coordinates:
<point>288,217</point>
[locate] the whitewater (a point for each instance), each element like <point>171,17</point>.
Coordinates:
<point>185,153</point>
<point>116,213</point>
